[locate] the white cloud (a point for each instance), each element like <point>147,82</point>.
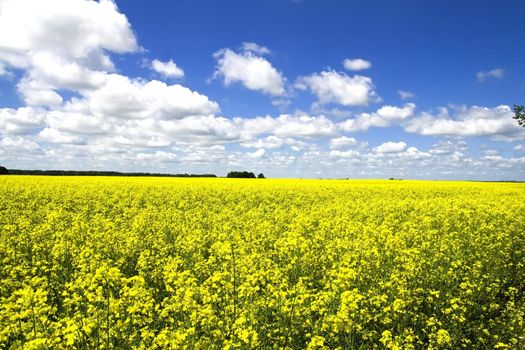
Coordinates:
<point>256,126</point>
<point>444,147</point>
<point>356,64</point>
<point>18,144</point>
<point>271,141</point>
<point>519,148</point>
<point>391,147</point>
<point>167,69</point>
<point>55,136</point>
<point>257,154</point>
<point>274,142</point>
<point>79,122</point>
<point>256,49</point>
<point>158,156</point>
<point>395,113</point>
<point>58,72</point>
<point>333,87</point>
<point>343,154</point>
<point>20,121</point>
<point>122,97</point>
<point>383,117</point>
<point>342,142</point>
<point>199,130</point>
<point>61,44</point>
<point>304,126</point>
<point>286,126</point>
<point>469,121</point>
<point>406,95</point>
<point>413,153</point>
<point>496,73</point>
<point>254,72</point>
<point>49,72</point>
<point>70,28</point>
<point>37,93</point>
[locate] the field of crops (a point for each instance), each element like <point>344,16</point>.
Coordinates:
<point>93,262</point>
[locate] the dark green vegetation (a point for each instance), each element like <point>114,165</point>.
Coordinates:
<point>519,112</point>
<point>241,175</point>
<point>95,173</point>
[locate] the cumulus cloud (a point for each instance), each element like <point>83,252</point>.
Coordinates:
<point>257,154</point>
<point>55,136</point>
<point>76,118</point>
<point>66,45</point>
<point>20,121</point>
<point>287,125</point>
<point>335,87</point>
<point>256,49</point>
<point>468,121</point>
<point>252,71</point>
<point>342,142</point>
<point>343,154</point>
<point>61,44</point>
<point>37,93</point>
<point>496,73</point>
<point>383,117</point>
<point>304,126</point>
<point>202,130</point>
<point>391,147</point>
<point>356,64</point>
<point>167,69</point>
<point>275,142</point>
<point>396,113</point>
<point>271,141</point>
<point>18,144</point>
<point>158,156</point>
<point>444,147</point>
<point>123,97</point>
<point>59,73</point>
<point>256,126</point>
<point>413,153</point>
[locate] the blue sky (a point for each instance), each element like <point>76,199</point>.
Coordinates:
<point>304,88</point>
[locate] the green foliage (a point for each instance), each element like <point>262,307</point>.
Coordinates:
<point>241,175</point>
<point>99,173</point>
<point>3,171</point>
<point>519,114</point>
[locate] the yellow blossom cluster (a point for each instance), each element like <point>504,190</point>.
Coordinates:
<point>164,263</point>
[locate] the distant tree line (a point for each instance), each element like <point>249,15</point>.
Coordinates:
<point>231,174</point>
<point>93,173</point>
<point>244,175</point>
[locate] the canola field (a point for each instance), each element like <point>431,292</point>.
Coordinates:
<point>163,263</point>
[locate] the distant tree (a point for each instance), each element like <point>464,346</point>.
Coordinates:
<point>261,176</point>
<point>241,175</point>
<point>3,171</point>
<point>519,112</point>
